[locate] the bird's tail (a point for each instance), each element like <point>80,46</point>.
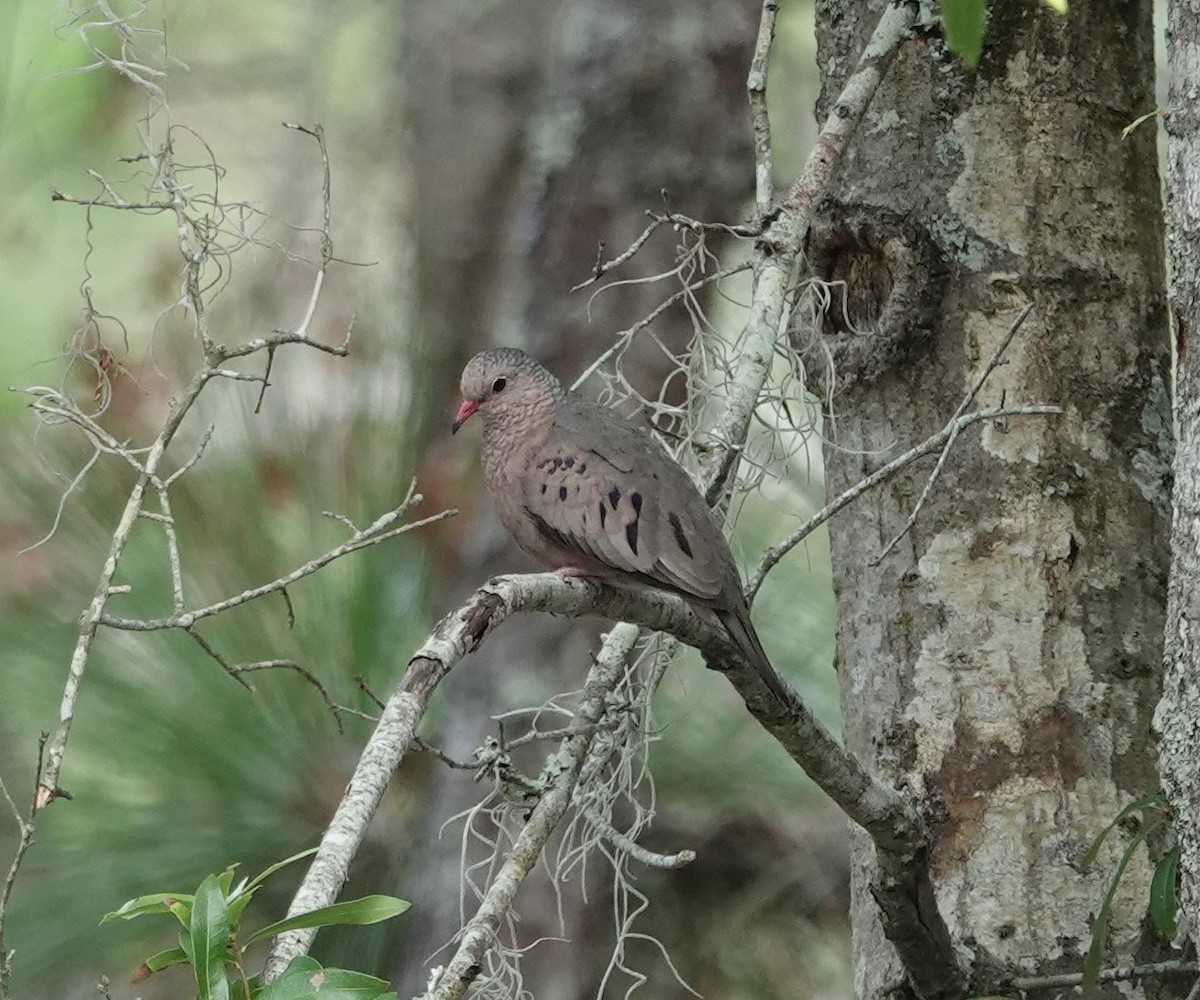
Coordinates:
<point>741,630</point>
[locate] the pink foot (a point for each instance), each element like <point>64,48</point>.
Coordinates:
<point>578,571</point>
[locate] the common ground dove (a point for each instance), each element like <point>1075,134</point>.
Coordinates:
<point>584,492</point>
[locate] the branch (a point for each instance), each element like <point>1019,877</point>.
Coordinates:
<point>1117,974</point>
<point>680,859</point>
<point>195,249</point>
<point>481,930</point>
<point>778,248</point>
<point>373,534</point>
<point>990,367</point>
<point>760,122</point>
<point>887,815</point>
<point>945,436</point>
<point>25,829</point>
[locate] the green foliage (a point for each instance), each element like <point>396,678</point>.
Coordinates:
<point>305,978</point>
<point>209,941</point>
<point>1163,902</point>
<point>1155,817</point>
<point>965,21</point>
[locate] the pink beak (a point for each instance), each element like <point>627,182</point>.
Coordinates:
<point>463,415</point>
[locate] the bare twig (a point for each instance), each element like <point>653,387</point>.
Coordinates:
<point>680,859</point>
<point>480,932</point>
<point>198,220</point>
<point>603,268</point>
<point>25,830</point>
<point>760,122</point>
<point>211,650</point>
<point>944,437</point>
<point>1117,974</point>
<point>990,367</point>
<point>371,535</point>
<point>168,522</point>
<point>777,249</point>
<point>622,339</point>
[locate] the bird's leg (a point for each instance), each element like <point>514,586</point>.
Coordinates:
<point>579,571</point>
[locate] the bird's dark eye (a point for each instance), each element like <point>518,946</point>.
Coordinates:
<point>499,384</point>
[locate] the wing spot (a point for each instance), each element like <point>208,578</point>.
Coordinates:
<point>680,538</point>
<point>583,467</point>
<point>614,497</point>
<point>562,493</point>
<point>635,498</point>
<point>603,513</point>
<point>631,535</point>
<point>543,486</point>
<point>568,463</point>
<point>546,531</point>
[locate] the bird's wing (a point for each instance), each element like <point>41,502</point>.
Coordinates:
<point>601,488</point>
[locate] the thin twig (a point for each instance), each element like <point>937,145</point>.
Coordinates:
<point>371,535</point>
<point>173,560</point>
<point>211,650</point>
<point>622,339</point>
<point>1117,974</point>
<point>680,859</point>
<point>334,708</point>
<point>947,434</point>
<point>760,122</point>
<point>480,931</point>
<point>990,367</point>
<point>25,829</point>
<point>603,268</point>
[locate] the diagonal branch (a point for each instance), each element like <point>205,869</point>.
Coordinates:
<point>941,440</point>
<point>888,816</point>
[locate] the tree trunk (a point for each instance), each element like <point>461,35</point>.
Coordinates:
<point>1178,717</point>
<point>1003,661</point>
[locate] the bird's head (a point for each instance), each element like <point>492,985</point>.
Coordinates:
<point>505,382</point>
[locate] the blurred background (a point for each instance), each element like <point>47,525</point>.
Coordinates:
<point>480,152</point>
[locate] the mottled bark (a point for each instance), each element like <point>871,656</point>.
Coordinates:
<point>1002,663</point>
<point>586,111</point>
<point>1178,717</point>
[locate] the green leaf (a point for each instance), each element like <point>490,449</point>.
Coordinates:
<point>1148,803</point>
<point>225,879</point>
<point>1095,955</point>
<point>367,910</point>
<point>238,904</point>
<point>157,902</point>
<point>304,979</point>
<point>1163,904</point>
<point>245,892</point>
<point>964,21</point>
<point>1058,6</point>
<point>268,872</point>
<point>163,959</point>
<point>158,962</point>
<point>209,944</point>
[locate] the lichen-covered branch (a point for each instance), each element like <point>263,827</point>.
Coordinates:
<point>886,814</point>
